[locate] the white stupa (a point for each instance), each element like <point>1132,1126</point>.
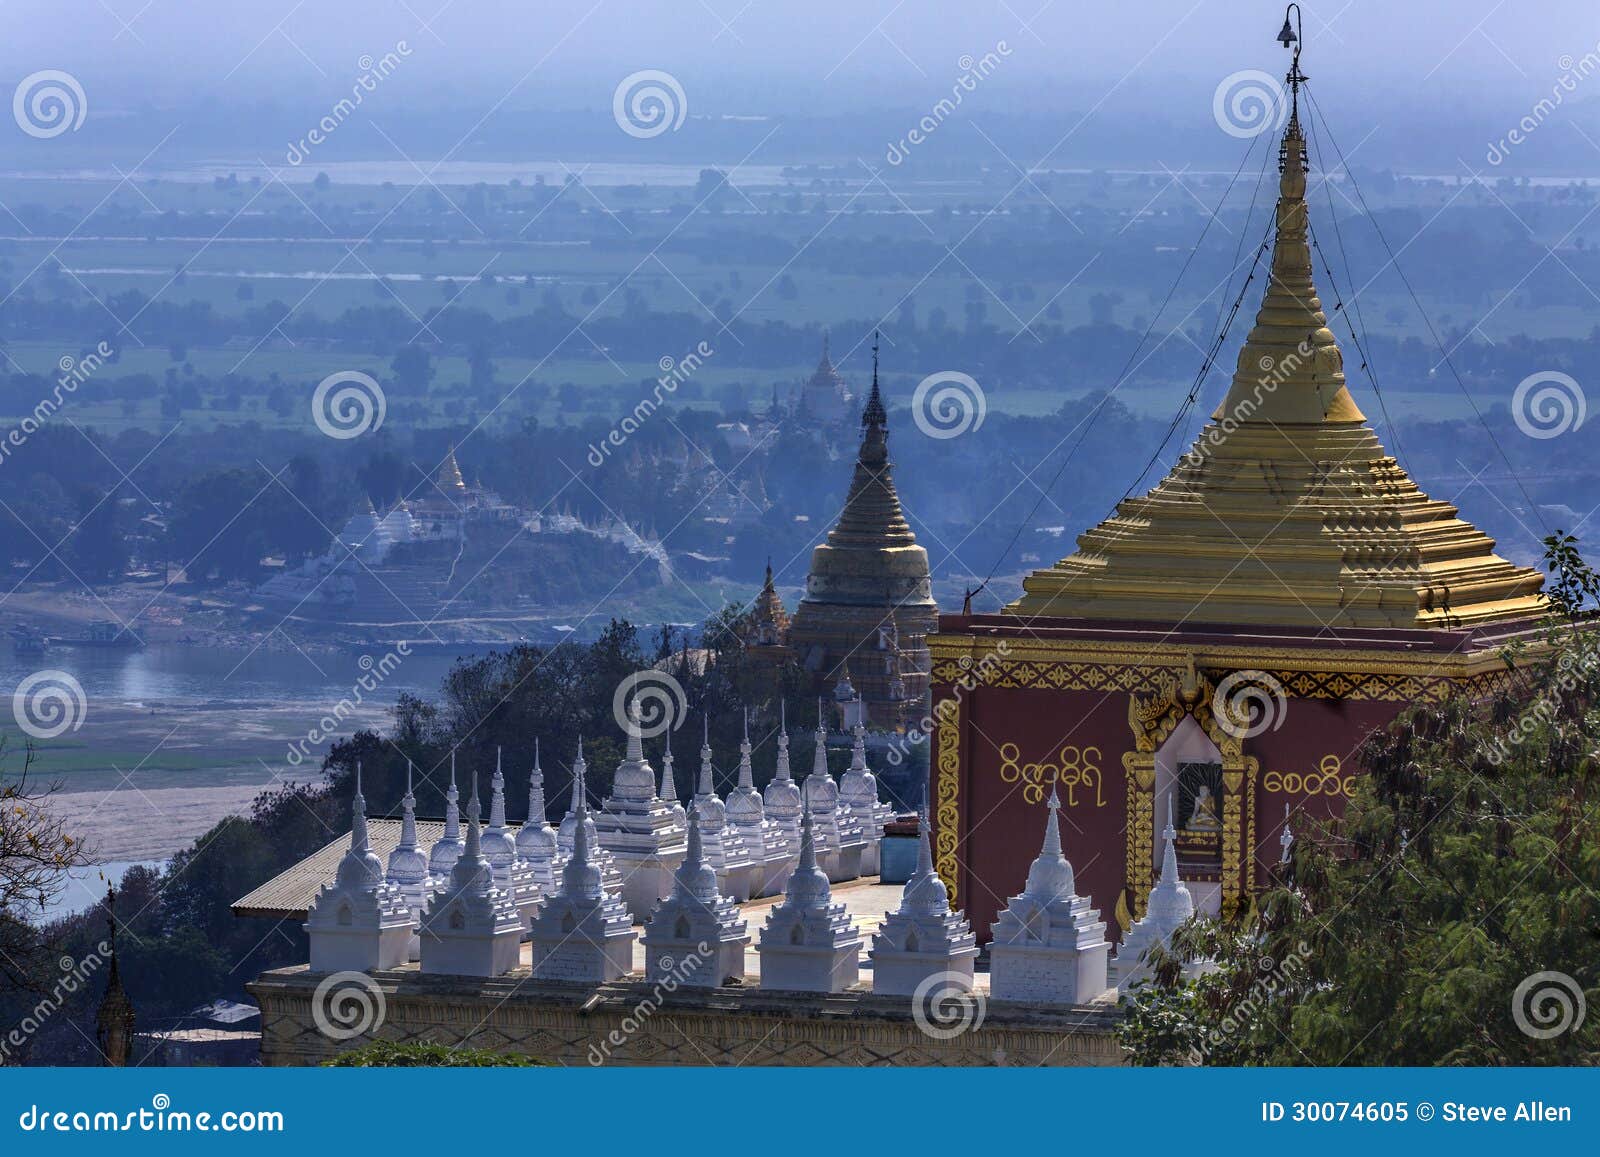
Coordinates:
<point>359,922</point>
<point>583,932</point>
<point>566,835</point>
<point>725,847</point>
<point>1170,905</point>
<point>511,873</point>
<point>471,927</point>
<point>923,938</point>
<point>408,867</point>
<point>747,815</point>
<point>398,524</point>
<point>696,937</point>
<point>537,844</point>
<point>781,801</point>
<point>639,828</point>
<point>669,785</point>
<point>447,849</point>
<point>858,796</point>
<point>1049,944</point>
<point>809,943</point>
<point>838,836</point>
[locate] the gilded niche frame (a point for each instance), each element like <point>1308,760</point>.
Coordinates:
<point>1153,718</point>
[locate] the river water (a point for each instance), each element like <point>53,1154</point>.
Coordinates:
<point>170,739</point>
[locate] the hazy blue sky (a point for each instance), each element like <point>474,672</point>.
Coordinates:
<point>756,50</point>
<point>1452,71</point>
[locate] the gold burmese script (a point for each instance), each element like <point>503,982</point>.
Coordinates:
<point>1329,779</point>
<point>1078,768</point>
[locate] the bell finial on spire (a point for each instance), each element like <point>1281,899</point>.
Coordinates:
<point>669,788</point>
<point>1286,838</point>
<point>358,817</point>
<point>707,786</point>
<point>408,813</point>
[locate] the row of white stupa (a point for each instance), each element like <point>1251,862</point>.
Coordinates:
<point>469,916</point>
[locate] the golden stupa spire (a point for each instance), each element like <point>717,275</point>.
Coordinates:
<point>450,480</point>
<point>1287,510</point>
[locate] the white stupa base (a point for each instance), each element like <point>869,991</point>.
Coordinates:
<point>842,865</point>
<point>796,968</point>
<point>360,949</point>
<point>737,880</point>
<point>458,955</point>
<point>646,880</point>
<point>580,960</point>
<point>681,964</point>
<point>774,875</point>
<point>899,973</point>
<point>870,858</point>
<point>1046,974</point>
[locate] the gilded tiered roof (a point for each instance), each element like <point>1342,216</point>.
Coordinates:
<point>1287,510</point>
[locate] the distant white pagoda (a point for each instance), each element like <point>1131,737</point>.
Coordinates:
<point>923,938</point>
<point>696,937</point>
<point>838,836</point>
<point>639,828</point>
<point>858,796</point>
<point>1049,944</point>
<point>359,922</point>
<point>809,943</point>
<point>537,843</point>
<point>565,837</point>
<point>408,867</point>
<point>781,801</point>
<point>512,874</point>
<point>1170,905</point>
<point>447,849</point>
<point>725,848</point>
<point>583,933</point>
<point>471,927</point>
<point>763,839</point>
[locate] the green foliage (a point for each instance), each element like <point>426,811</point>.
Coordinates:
<point>422,1054</point>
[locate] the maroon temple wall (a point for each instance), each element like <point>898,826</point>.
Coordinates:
<point>993,770</point>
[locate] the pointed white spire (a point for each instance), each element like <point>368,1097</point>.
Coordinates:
<point>497,799</point>
<point>707,786</point>
<point>580,877</point>
<point>1169,855</point>
<point>819,757</point>
<point>696,878</point>
<point>452,804</point>
<point>783,774</point>
<point>747,775</point>
<point>408,820</point>
<point>536,804</point>
<point>1286,839</point>
<point>359,841</point>
<point>669,788</point>
<point>1050,877</point>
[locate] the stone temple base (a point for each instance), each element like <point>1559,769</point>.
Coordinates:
<point>634,1022</point>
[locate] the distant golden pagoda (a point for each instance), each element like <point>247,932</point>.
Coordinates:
<point>450,482</point>
<point>769,619</point>
<point>1287,510</point>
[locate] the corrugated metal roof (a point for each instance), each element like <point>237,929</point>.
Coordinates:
<point>290,892</point>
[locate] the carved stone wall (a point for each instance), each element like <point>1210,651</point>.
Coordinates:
<point>636,1023</point>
